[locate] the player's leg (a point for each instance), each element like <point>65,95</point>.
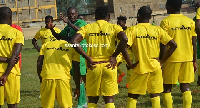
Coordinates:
<point>170,76</point>
<point>48,93</point>
<point>132,100</point>
<point>155,100</point>
<point>20,60</point>
<point>187,96</point>
<point>84,102</point>
<point>92,101</point>
<point>138,86</point>
<point>167,97</point>
<point>93,84</point>
<point>63,93</point>
<point>109,86</point>
<point>82,99</point>
<point>1,94</point>
<point>12,105</point>
<point>17,86</point>
<point>186,76</point>
<point>109,101</point>
<point>12,90</point>
<point>83,77</point>
<point>155,87</point>
<point>198,81</point>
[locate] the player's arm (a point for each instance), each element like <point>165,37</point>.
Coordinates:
<point>163,49</point>
<point>170,51</point>
<point>56,35</point>
<point>121,47</point>
<point>11,63</point>
<point>194,53</point>
<point>34,42</point>
<point>126,56</point>
<point>122,44</point>
<point>77,77</point>
<point>76,28</point>
<point>39,66</point>
<point>197,29</point>
<point>76,40</point>
<point>6,59</point>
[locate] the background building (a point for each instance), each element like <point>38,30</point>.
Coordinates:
<point>30,10</point>
<point>84,7</point>
<point>129,8</point>
<point>36,10</point>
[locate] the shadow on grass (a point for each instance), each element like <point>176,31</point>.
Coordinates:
<point>29,93</point>
<point>144,104</point>
<point>28,48</point>
<point>122,86</point>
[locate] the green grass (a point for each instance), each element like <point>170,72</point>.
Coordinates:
<point>30,86</point>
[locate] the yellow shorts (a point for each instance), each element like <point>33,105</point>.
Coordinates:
<point>56,88</point>
<point>101,81</point>
<point>11,90</point>
<point>151,82</point>
<point>182,72</point>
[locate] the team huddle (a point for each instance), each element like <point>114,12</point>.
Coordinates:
<point>156,58</point>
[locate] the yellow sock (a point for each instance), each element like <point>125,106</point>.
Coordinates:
<point>92,105</point>
<point>187,99</point>
<point>110,105</point>
<point>131,103</point>
<point>129,74</point>
<point>167,100</point>
<point>155,102</point>
<point>119,71</point>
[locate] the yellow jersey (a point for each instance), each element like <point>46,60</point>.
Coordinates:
<point>145,40</point>
<point>8,37</point>
<point>57,63</point>
<point>181,29</point>
<point>198,14</point>
<point>100,37</point>
<point>45,35</point>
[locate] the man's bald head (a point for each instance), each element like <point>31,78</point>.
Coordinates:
<point>5,15</point>
<point>72,8</point>
<point>72,14</point>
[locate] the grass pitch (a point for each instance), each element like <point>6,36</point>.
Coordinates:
<point>30,86</point>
